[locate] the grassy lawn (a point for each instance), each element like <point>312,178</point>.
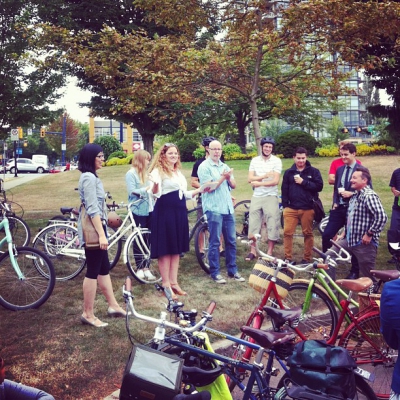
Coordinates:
<point>49,347</point>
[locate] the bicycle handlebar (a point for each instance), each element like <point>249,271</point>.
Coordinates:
<point>162,321</point>
<point>281,263</point>
<point>333,256</point>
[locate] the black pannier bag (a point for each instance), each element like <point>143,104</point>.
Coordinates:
<point>323,368</point>
<point>151,374</point>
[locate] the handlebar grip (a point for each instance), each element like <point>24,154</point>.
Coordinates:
<point>319,252</point>
<point>128,284</point>
<point>211,307</point>
<point>322,266</point>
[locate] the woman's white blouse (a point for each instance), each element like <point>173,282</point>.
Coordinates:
<point>170,184</point>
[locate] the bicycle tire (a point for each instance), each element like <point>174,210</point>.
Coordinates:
<point>137,256</point>
<point>114,251</point>
<point>362,388</point>
<point>320,320</point>
<point>375,356</point>
<point>242,210</point>
<point>32,291</point>
<point>52,240</point>
<point>201,246</point>
<point>20,232</point>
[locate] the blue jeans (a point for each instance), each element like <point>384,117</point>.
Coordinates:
<point>10,390</point>
<point>225,224</point>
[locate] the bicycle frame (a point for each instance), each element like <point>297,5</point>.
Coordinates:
<point>228,364</point>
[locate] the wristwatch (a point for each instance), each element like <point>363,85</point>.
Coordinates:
<point>369,234</point>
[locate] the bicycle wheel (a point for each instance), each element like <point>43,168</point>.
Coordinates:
<point>56,219</point>
<point>320,319</point>
<point>367,346</point>
<point>114,251</point>
<point>242,210</point>
<point>34,288</point>
<point>20,232</point>
<point>364,391</point>
<point>55,240</point>
<point>201,246</point>
<point>137,257</point>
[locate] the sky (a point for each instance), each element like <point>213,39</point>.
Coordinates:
<point>74,95</point>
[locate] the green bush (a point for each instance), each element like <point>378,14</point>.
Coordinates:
<point>117,154</point>
<point>109,145</point>
<point>199,153</point>
<point>287,143</point>
<point>186,148</point>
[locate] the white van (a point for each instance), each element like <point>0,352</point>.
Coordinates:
<point>40,159</point>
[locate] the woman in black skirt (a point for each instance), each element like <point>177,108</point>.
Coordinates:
<point>169,224</point>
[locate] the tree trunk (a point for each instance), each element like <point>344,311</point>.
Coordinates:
<point>241,123</point>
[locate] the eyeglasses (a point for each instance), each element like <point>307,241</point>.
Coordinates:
<point>100,156</point>
<point>215,149</point>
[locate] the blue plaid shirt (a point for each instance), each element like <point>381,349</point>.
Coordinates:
<point>219,201</point>
<point>366,213</point>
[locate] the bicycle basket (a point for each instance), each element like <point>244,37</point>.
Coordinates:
<point>366,300</point>
<point>151,374</point>
<point>262,273</point>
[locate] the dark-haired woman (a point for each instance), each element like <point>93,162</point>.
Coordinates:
<point>92,195</point>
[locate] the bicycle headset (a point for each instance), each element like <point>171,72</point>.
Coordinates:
<point>269,140</point>
<point>207,140</point>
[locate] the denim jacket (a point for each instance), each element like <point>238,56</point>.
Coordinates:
<point>138,191</point>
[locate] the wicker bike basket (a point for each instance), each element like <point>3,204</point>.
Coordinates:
<point>262,274</point>
<point>366,300</point>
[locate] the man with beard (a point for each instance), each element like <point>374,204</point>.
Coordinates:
<point>264,174</point>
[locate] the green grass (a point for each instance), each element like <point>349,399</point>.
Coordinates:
<point>50,349</point>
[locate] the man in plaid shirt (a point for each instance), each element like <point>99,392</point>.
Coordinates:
<point>366,219</point>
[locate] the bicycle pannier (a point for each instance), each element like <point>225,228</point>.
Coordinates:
<point>262,273</point>
<point>321,367</point>
<point>151,374</point>
<point>90,235</point>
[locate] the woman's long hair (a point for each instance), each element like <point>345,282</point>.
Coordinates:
<point>139,164</point>
<point>160,160</point>
<point>87,157</point>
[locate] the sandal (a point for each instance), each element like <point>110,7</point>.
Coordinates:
<point>250,257</point>
<point>177,290</point>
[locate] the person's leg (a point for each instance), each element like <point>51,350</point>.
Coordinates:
<point>366,256</point>
<point>272,214</point>
<point>255,221</point>
<point>89,294</point>
<point>215,229</point>
<point>337,219</point>
<point>306,220</point>
<point>164,265</point>
<point>229,232</point>
<point>290,218</point>
<point>106,288</point>
<point>18,391</point>
<point>395,219</point>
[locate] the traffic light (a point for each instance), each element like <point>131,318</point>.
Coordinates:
<point>42,132</point>
<point>20,132</point>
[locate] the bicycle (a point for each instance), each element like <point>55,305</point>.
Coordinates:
<point>202,366</point>
<point>23,285</point>
<point>60,241</point>
<point>319,320</point>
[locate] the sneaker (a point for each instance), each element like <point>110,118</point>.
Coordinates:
<point>140,274</point>
<point>218,279</point>
<point>149,275</point>
<point>237,277</point>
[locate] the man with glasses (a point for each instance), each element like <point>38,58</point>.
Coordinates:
<point>218,207</point>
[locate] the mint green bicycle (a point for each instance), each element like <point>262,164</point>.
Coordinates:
<point>27,275</point>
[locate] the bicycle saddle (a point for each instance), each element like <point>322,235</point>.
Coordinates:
<point>267,339</point>
<point>280,316</point>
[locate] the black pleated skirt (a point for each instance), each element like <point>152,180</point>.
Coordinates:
<point>169,226</point>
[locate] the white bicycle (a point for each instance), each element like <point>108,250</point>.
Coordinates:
<point>61,243</point>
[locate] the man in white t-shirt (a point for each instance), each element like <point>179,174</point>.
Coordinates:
<point>264,174</point>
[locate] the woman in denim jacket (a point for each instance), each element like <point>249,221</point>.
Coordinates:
<point>92,195</point>
<point>138,185</point>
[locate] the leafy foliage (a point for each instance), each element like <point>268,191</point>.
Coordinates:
<point>186,148</point>
<point>117,154</point>
<point>287,143</point>
<point>109,145</point>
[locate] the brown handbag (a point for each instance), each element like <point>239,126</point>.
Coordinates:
<point>90,235</point>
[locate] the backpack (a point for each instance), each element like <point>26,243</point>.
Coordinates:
<point>324,368</point>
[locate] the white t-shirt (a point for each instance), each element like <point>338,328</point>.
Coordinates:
<point>170,184</point>
<point>261,166</point>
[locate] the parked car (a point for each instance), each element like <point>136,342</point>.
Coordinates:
<point>25,165</point>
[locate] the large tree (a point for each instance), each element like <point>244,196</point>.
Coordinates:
<point>25,90</point>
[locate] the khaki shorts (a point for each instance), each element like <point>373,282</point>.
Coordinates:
<point>265,209</point>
